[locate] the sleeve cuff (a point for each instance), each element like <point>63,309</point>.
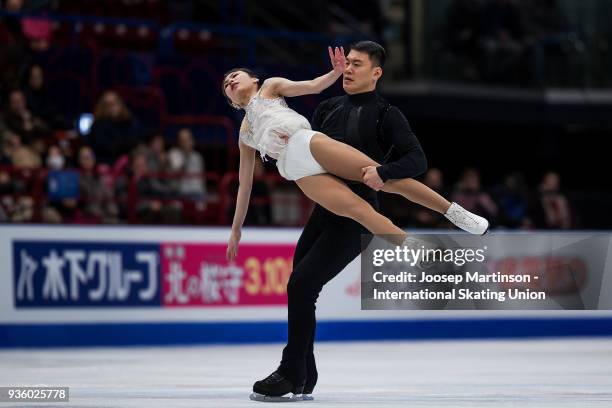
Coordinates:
<point>382,173</point>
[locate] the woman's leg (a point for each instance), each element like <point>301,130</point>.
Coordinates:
<point>334,195</point>
<point>417,192</point>
<point>345,161</point>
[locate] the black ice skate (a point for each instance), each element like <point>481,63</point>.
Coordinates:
<point>309,388</point>
<point>277,388</point>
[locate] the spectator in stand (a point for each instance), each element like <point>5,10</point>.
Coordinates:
<point>157,162</point>
<point>551,209</point>
<point>512,199</point>
<point>260,212</point>
<point>13,50</point>
<point>502,40</point>
<point>22,121</point>
<point>368,16</point>
<point>96,201</point>
<point>435,180</point>
<point>37,98</point>
<point>55,158</point>
<point>22,156</point>
<point>6,185</point>
<point>461,35</point>
<point>468,194</point>
<point>53,209</point>
<point>13,23</point>
<point>38,31</point>
<point>3,214</point>
<point>4,145</point>
<point>149,200</point>
<point>113,132</point>
<point>549,33</point>
<point>423,217</point>
<point>188,163</point>
<point>156,154</point>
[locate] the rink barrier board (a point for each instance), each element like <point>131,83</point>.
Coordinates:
<point>160,334</point>
<point>261,319</point>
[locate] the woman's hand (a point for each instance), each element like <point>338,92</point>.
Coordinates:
<point>338,60</point>
<point>232,246</point>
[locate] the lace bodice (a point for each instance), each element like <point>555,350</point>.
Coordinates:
<point>267,119</point>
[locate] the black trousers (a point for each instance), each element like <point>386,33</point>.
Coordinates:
<point>327,245</point>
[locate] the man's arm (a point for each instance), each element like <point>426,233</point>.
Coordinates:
<point>398,133</point>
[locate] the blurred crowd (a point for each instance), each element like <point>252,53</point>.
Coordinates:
<point>84,178</point>
<point>114,171</point>
<point>509,41</point>
<point>91,178</point>
<point>510,203</point>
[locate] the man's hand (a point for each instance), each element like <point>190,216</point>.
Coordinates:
<point>371,178</point>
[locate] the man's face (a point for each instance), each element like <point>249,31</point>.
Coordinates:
<point>17,103</point>
<point>185,139</point>
<point>360,75</point>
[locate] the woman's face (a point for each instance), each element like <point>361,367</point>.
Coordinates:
<point>87,159</point>
<point>237,84</point>
<point>112,104</point>
<point>157,144</point>
<point>36,77</point>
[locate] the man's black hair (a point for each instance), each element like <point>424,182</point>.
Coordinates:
<point>375,51</point>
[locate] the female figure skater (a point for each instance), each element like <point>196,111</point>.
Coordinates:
<point>312,158</point>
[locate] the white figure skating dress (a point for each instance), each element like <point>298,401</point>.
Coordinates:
<point>268,119</point>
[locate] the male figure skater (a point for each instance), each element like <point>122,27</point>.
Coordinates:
<point>329,242</point>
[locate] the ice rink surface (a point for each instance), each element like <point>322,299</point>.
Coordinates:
<point>521,373</point>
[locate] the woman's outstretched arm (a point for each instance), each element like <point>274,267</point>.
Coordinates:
<point>245,178</point>
<point>284,87</point>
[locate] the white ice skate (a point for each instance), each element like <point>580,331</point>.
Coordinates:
<point>467,221</point>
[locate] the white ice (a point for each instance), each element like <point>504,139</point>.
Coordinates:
<point>522,373</point>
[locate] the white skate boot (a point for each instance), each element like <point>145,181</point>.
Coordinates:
<point>466,220</point>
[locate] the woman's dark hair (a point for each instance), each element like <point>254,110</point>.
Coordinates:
<point>231,71</point>
<point>375,51</point>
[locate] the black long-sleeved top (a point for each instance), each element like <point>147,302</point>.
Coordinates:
<point>353,119</point>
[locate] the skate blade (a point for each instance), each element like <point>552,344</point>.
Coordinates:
<point>285,398</point>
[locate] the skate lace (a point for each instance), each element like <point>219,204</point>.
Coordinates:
<point>465,219</point>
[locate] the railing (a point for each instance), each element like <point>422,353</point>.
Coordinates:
<point>208,121</point>
<point>24,184</point>
<point>284,198</point>
<point>289,207</point>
